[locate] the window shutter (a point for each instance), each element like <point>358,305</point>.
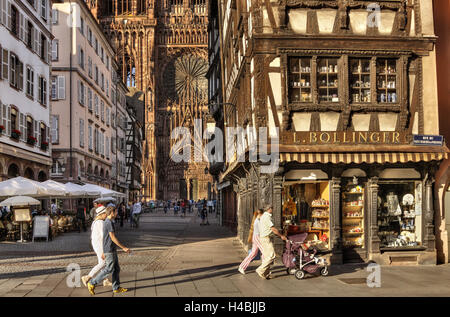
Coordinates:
<point>22,126</point>
<point>79,56</point>
<point>55,16</point>
<point>54,130</point>
<point>5,65</point>
<point>8,14</point>
<point>107,116</point>
<point>81,132</point>
<point>55,46</point>
<point>90,137</point>
<point>36,40</point>
<point>39,41</point>
<point>47,135</point>
<point>48,51</point>
<point>9,120</point>
<point>21,33</point>
<point>61,87</point>
<point>5,115</point>
<point>20,77</point>
<point>36,128</point>
<point>79,91</point>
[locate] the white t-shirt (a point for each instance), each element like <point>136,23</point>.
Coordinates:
<point>97,236</point>
<point>137,208</point>
<point>256,227</point>
<point>265,225</point>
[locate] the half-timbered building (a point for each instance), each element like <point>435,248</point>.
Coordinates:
<point>347,90</point>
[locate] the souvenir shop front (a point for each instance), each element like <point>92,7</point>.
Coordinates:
<point>364,212</point>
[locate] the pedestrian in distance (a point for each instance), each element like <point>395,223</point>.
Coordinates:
<point>267,228</point>
<point>81,216</point>
<point>204,215</point>
<point>137,209</point>
<point>122,211</point>
<point>110,244</point>
<point>92,212</point>
<point>97,245</point>
<point>254,239</point>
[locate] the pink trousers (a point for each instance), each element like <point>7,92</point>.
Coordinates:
<point>256,246</point>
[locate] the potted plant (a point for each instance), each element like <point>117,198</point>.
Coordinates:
<point>31,140</point>
<point>44,146</point>
<point>15,134</point>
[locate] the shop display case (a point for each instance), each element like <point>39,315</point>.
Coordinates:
<point>387,81</point>
<point>353,216</point>
<point>360,80</point>
<point>300,80</point>
<point>399,226</point>
<point>306,209</point>
<point>327,79</point>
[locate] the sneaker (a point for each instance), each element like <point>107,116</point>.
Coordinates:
<point>106,282</point>
<point>241,271</point>
<point>91,288</point>
<point>120,290</point>
<point>85,279</point>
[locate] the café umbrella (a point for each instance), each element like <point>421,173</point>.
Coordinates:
<point>21,186</point>
<point>22,201</point>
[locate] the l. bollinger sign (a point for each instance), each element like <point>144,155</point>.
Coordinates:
<point>343,137</point>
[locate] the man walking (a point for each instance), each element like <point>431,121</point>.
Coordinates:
<point>137,208</point>
<point>266,228</point>
<point>81,216</point>
<point>110,255</point>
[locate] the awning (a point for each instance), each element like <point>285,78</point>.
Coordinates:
<point>368,158</point>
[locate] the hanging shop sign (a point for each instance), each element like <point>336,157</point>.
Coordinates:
<point>428,140</point>
<point>343,137</point>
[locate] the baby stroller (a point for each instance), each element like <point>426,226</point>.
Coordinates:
<point>300,260</point>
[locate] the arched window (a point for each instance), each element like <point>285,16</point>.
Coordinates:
<point>29,173</point>
<point>13,171</point>
<point>42,176</point>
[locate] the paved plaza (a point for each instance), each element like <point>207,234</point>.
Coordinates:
<point>174,256</point>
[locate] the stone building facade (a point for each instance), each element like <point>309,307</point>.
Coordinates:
<point>25,59</point>
<point>347,90</point>
<point>162,50</point>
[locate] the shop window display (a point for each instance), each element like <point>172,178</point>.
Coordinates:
<point>400,215</point>
<point>306,208</point>
<point>353,215</point>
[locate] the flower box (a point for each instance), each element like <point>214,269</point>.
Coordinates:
<point>44,146</point>
<point>2,128</point>
<point>31,140</point>
<point>15,134</point>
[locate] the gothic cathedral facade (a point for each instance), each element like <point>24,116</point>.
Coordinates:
<point>162,50</point>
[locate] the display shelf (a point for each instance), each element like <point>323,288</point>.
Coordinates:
<point>353,206</point>
<point>345,218</point>
<point>353,193</point>
<point>354,233</point>
<point>320,206</point>
<point>320,217</point>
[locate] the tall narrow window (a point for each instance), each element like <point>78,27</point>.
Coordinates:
<point>81,132</point>
<point>30,82</point>
<point>327,79</point>
<point>360,80</point>
<point>44,9</point>
<point>300,80</point>
<point>42,96</point>
<point>387,81</point>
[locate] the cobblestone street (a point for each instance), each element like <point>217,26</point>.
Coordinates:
<point>174,256</point>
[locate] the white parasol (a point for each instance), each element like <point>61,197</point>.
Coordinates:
<point>20,201</point>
